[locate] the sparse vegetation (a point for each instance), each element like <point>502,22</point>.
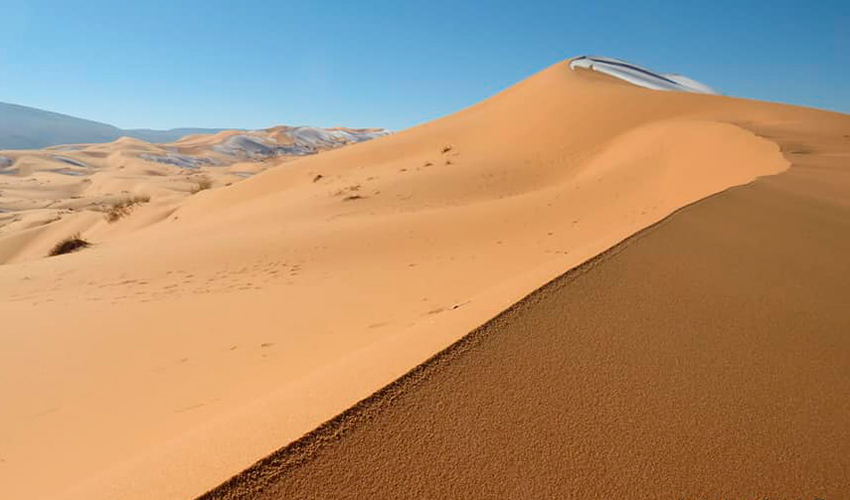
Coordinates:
<point>123,207</point>
<point>318,177</point>
<point>446,149</point>
<point>202,184</point>
<point>349,189</point>
<point>68,245</point>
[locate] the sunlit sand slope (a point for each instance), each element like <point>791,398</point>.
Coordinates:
<point>706,357</point>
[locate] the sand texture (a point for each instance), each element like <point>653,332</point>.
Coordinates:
<point>200,333</point>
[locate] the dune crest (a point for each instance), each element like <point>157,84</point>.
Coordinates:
<point>186,346</point>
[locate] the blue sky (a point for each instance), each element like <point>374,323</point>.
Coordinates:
<point>163,64</point>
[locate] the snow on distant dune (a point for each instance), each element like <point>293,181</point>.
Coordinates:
<point>320,137</point>
<point>182,161</point>
<point>305,141</point>
<point>639,76</point>
<point>70,161</point>
<point>245,145</point>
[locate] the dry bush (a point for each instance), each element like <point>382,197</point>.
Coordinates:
<point>68,245</point>
<point>123,208</point>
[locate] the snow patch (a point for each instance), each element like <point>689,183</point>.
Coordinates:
<point>319,137</point>
<point>246,146</point>
<point>305,141</point>
<point>182,161</point>
<point>639,76</point>
<point>70,161</point>
<point>68,171</point>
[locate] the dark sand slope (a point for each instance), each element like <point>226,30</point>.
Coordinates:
<point>706,357</point>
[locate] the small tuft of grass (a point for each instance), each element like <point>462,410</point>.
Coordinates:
<point>123,207</point>
<point>202,184</point>
<point>353,197</point>
<point>68,245</point>
<point>446,149</point>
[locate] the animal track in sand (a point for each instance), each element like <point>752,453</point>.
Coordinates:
<point>189,408</point>
<point>196,406</point>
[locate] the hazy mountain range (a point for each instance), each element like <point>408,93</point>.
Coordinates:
<point>22,127</point>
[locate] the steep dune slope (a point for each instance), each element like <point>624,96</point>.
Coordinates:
<point>176,352</point>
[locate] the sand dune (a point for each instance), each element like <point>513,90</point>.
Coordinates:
<point>193,338</point>
<point>702,358</point>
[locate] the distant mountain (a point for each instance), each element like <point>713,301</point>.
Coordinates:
<point>22,127</point>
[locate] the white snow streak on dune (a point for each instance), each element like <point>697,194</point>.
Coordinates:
<point>639,76</point>
<point>70,161</point>
<point>317,137</point>
<point>182,161</point>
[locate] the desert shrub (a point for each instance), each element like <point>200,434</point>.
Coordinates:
<point>123,208</point>
<point>68,245</point>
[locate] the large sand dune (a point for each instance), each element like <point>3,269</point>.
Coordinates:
<point>193,339</point>
<point>701,358</point>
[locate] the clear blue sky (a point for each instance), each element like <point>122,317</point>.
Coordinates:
<point>253,64</point>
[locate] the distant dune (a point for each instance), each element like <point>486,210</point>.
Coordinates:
<point>22,127</point>
<point>45,192</point>
<point>199,333</point>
